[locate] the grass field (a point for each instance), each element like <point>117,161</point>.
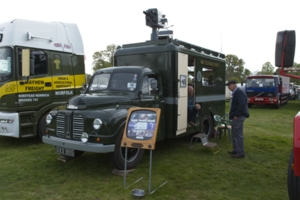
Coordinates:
<point>30,170</point>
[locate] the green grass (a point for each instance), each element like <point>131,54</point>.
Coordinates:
<point>30,170</point>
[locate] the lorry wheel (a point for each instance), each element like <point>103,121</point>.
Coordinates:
<point>293,181</point>
<point>208,126</point>
<point>117,158</point>
<point>42,127</point>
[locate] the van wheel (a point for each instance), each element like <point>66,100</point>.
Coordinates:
<point>249,105</point>
<point>117,158</point>
<point>42,127</point>
<point>208,127</point>
<point>293,181</point>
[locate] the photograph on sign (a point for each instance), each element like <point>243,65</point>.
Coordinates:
<point>141,127</point>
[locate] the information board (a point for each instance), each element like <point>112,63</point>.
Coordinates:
<point>141,128</point>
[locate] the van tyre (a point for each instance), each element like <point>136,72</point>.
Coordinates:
<point>42,127</point>
<point>293,181</point>
<point>117,158</point>
<point>208,127</point>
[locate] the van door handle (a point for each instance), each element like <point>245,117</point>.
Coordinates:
<point>48,84</point>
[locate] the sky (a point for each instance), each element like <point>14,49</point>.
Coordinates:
<point>244,28</point>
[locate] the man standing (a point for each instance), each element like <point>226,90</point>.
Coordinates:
<point>238,114</point>
<point>193,108</point>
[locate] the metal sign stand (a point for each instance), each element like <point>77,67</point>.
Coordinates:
<point>125,166</point>
<point>150,174</point>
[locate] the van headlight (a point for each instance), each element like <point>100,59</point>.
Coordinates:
<point>97,124</point>
<point>49,119</point>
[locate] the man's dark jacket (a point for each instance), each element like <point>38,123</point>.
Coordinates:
<point>239,104</point>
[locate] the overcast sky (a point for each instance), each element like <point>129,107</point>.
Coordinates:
<point>246,29</point>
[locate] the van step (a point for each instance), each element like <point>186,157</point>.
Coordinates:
<point>204,141</point>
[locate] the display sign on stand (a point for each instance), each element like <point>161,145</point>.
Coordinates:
<point>141,128</point>
<point>141,132</point>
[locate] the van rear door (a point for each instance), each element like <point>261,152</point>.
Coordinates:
<point>182,93</point>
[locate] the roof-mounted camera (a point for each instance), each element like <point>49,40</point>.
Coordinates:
<point>155,19</point>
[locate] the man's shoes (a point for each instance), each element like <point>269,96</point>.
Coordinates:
<point>231,152</point>
<point>192,123</point>
<point>237,156</point>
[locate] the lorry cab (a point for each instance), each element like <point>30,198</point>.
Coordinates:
<point>41,66</point>
<point>267,90</point>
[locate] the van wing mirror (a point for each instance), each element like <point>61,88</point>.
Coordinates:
<point>25,62</point>
<point>285,48</point>
<point>84,88</point>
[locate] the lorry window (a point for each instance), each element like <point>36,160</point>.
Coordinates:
<point>123,82</point>
<point>208,77</point>
<point>260,82</point>
<point>5,63</point>
<point>99,82</point>
<point>38,62</point>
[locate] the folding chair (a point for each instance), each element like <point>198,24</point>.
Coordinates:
<point>227,122</point>
<point>223,124</point>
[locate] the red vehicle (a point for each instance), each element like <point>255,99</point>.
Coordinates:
<point>284,58</point>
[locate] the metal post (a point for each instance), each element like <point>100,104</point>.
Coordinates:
<point>125,165</point>
<point>150,172</point>
<point>154,35</point>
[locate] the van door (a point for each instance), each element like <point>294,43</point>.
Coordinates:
<point>182,93</point>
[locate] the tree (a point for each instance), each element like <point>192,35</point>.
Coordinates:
<point>235,68</point>
<point>247,72</point>
<point>104,58</point>
<point>267,68</point>
<point>88,78</point>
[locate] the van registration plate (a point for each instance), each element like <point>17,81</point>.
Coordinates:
<point>259,99</point>
<point>65,152</point>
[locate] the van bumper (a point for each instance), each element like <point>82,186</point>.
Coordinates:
<point>78,145</point>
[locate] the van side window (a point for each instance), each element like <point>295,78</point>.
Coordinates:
<point>38,62</point>
<point>208,77</point>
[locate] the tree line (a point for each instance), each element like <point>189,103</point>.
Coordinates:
<point>235,69</point>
